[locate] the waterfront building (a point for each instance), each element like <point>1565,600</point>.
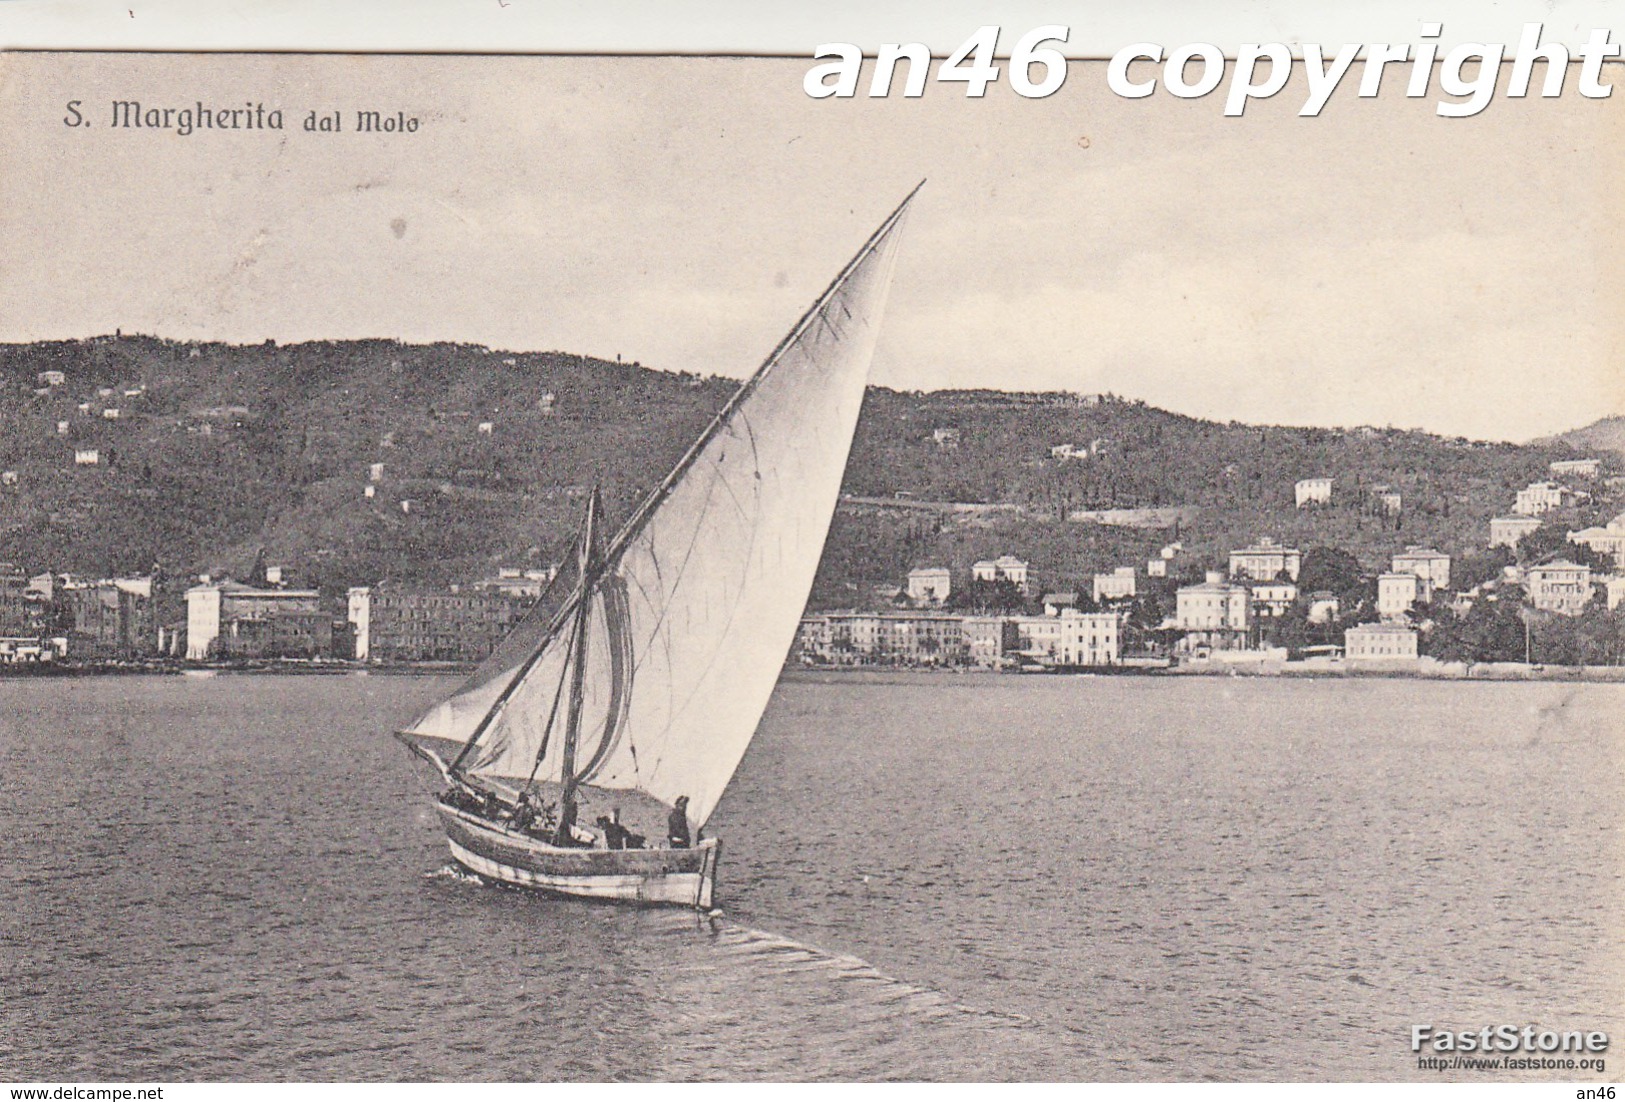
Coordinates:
<point>1116,586</point>
<point>988,639</point>
<point>1088,638</point>
<point>13,609</point>
<point>1213,613</point>
<point>110,618</point>
<point>1426,563</point>
<point>1264,561</point>
<point>929,584</point>
<point>228,620</point>
<point>1366,642</point>
<point>1313,491</point>
<point>395,624</point>
<point>1562,587</point>
<point>1038,637</point>
<point>882,638</point>
<point>1507,531</point>
<point>1608,539</point>
<point>1576,468</point>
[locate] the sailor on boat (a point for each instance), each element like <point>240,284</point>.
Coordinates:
<point>677,825</point>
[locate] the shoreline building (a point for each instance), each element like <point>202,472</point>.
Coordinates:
<point>230,620</point>
<point>882,638</point>
<point>431,625</point>
<point>1212,613</point>
<point>1368,642</point>
<point>1562,587</point>
<point>1264,561</point>
<point>13,606</point>
<point>110,617</point>
<point>1089,638</point>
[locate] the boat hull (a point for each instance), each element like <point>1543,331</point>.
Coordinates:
<point>681,877</point>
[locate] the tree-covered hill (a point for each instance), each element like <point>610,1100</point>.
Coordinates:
<point>218,451</point>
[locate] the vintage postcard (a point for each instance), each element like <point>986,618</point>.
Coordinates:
<point>841,567</point>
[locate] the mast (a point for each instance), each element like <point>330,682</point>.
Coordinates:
<point>587,562</point>
<point>677,622</point>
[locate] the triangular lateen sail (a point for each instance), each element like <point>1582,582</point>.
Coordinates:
<point>688,623</point>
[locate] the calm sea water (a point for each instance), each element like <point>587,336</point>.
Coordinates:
<point>926,877</point>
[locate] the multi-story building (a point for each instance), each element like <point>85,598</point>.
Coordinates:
<point>1367,642</point>
<point>1272,599</point>
<point>1398,593</point>
<point>1425,563</point>
<point>108,618</point>
<point>1038,637</point>
<point>1213,613</point>
<point>1088,638</point>
<point>988,639</point>
<point>1507,531</point>
<point>513,582</point>
<point>929,584</point>
<point>393,624</point>
<point>1614,587</point>
<point>1608,539</point>
<point>1156,568</point>
<point>227,620</point>
<point>13,609</point>
<point>1562,587</point>
<point>1264,561</point>
<point>1004,567</point>
<point>1313,491</point>
<point>1542,497</point>
<point>1116,586</point>
<point>1576,468</point>
<point>882,638</point>
<point>1387,500</point>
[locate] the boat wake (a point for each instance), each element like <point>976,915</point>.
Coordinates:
<point>863,980</point>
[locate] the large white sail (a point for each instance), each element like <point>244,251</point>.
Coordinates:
<point>701,592</point>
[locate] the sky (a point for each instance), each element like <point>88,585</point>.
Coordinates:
<point>1377,264</point>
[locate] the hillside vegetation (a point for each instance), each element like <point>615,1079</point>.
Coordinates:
<point>219,451</point>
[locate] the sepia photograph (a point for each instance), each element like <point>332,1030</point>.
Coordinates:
<point>848,567</point>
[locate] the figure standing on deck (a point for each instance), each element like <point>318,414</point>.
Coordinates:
<point>677,825</point>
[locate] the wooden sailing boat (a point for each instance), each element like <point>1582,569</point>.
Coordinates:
<point>643,672</point>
